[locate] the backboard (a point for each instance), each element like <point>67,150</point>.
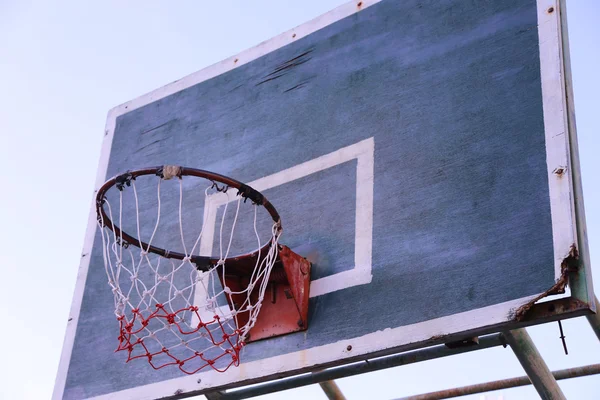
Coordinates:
<point>419,154</point>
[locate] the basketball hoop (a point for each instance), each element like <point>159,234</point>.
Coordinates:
<point>178,306</point>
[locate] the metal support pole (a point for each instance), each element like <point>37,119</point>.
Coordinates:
<point>503,384</point>
<point>594,319</point>
<point>534,365</point>
<point>361,367</point>
<point>332,390</point>
<point>580,281</point>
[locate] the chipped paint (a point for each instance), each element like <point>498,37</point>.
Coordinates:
<point>569,264</point>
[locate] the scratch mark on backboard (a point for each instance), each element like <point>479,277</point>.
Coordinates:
<point>283,68</point>
<point>155,128</point>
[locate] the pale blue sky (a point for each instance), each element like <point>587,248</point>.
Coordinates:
<point>63,65</point>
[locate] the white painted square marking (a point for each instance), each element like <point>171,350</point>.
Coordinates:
<point>360,274</point>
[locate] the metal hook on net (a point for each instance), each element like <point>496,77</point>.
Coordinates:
<point>221,189</point>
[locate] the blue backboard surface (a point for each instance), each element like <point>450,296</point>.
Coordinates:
<point>409,148</point>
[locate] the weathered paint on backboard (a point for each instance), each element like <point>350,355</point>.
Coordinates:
<point>412,150</point>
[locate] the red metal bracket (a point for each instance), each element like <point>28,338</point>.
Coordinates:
<point>285,306</point>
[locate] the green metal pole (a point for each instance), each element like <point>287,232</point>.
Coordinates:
<point>594,319</point>
<point>503,384</point>
<point>580,280</point>
<point>332,390</point>
<point>532,362</point>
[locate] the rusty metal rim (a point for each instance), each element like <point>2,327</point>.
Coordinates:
<point>201,262</point>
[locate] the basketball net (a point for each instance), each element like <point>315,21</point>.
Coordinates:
<point>168,311</point>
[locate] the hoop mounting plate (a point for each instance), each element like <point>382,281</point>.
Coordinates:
<point>285,308</point>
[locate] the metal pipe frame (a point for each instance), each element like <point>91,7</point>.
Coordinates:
<point>586,370</point>
<point>362,367</point>
<point>580,281</point>
<point>537,372</point>
<point>532,362</point>
<point>594,319</point>
<point>332,390</point>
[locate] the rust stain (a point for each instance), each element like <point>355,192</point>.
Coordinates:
<point>569,264</point>
<point>305,267</point>
<point>472,341</point>
<point>359,5</point>
<point>560,171</point>
<point>303,358</point>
